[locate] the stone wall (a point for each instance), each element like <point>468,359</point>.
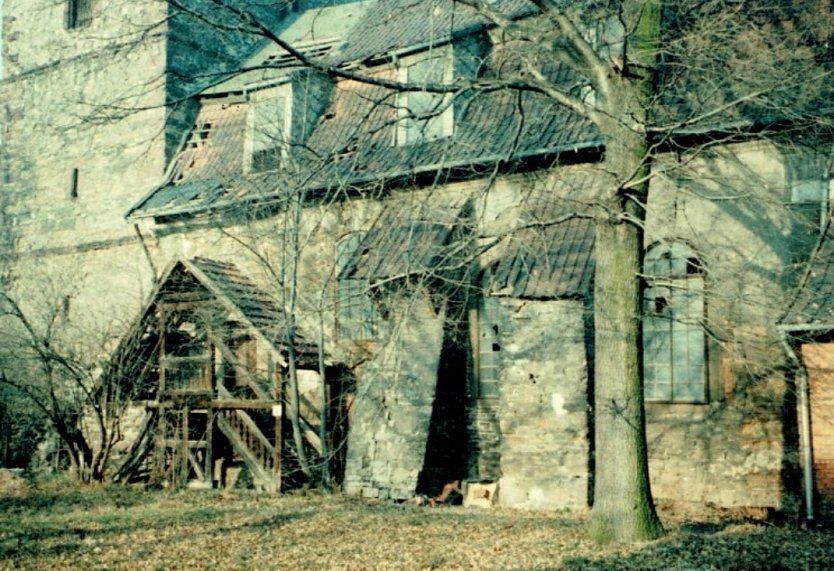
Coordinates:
<point>735,453</point>
<point>543,403</point>
<point>389,420</point>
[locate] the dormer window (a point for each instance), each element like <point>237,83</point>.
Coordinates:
<point>425,116</point>
<point>314,49</point>
<point>269,126</point>
<point>79,13</point>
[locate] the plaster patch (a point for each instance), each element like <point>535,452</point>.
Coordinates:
<point>557,401</point>
<point>536,497</point>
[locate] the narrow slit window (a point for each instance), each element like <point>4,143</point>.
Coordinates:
<point>73,192</point>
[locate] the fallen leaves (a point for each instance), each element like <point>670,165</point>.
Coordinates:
<point>124,528</point>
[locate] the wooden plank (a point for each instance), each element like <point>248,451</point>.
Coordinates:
<point>243,404</point>
<point>178,443</point>
<point>231,358</point>
<point>260,474</point>
<point>185,300</point>
<point>172,361</point>
<point>195,465</point>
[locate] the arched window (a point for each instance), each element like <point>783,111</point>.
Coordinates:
<point>674,345</point>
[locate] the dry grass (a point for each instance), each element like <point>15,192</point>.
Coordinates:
<point>124,528</point>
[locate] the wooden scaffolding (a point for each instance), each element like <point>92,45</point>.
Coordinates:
<point>219,357</point>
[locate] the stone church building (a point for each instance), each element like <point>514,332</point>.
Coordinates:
<point>418,263</point>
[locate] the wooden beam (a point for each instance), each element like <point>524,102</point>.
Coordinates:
<point>243,404</point>
<point>230,356</point>
<point>209,454</point>
<point>161,349</point>
<point>184,455</point>
<point>178,443</point>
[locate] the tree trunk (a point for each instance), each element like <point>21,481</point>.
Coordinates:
<point>291,281</point>
<point>623,509</point>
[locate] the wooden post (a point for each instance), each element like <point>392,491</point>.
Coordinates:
<point>209,459</point>
<point>161,349</point>
<point>278,414</point>
<point>184,451</point>
<point>158,470</point>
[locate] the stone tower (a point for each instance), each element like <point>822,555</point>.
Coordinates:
<point>94,100</point>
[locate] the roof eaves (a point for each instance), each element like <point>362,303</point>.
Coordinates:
<point>185,210</point>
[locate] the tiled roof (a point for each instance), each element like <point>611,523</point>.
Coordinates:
<point>205,156</point>
<point>813,306</point>
<point>549,257</point>
<point>241,294</point>
<point>353,144</point>
<point>552,255</point>
<point>223,280</point>
<point>406,239</point>
<point>396,24</point>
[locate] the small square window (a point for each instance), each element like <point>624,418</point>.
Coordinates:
<point>79,13</point>
<point>269,129</point>
<point>426,116</point>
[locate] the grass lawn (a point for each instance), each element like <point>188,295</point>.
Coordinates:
<point>127,528</point>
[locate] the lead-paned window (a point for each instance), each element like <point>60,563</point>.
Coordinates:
<point>674,344</point>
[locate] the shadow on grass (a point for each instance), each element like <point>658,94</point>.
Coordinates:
<point>109,527</point>
<point>717,546</point>
<point>61,501</point>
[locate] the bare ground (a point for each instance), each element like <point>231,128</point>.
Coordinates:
<point>127,528</point>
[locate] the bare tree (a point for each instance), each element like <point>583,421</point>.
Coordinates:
<point>44,360</point>
<point>649,77</point>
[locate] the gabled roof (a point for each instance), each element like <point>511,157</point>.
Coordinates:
<point>552,254</point>
<point>244,302</point>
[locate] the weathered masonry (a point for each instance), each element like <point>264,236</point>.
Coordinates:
<point>418,264</point>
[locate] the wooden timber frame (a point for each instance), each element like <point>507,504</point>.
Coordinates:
<point>219,359</point>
